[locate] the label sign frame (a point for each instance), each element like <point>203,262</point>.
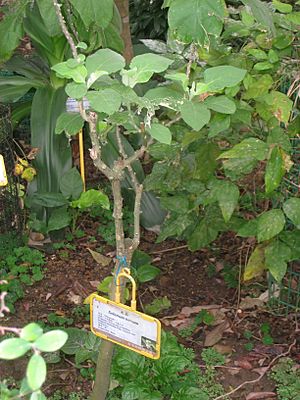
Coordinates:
<point>3,176</point>
<point>117,322</point>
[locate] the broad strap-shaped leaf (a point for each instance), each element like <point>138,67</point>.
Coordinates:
<point>49,17</point>
<point>12,88</point>
<point>221,104</point>
<point>197,19</point>
<point>277,254</point>
<point>270,224</point>
<point>96,12</point>
<point>105,60</point>
<point>196,115</point>
<point>248,148</point>
<point>70,123</point>
<point>275,170</point>
<point>218,78</point>
<point>291,209</point>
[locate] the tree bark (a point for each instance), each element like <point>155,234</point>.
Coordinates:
<point>123,7</point>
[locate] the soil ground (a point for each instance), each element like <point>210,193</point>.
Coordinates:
<point>188,280</point>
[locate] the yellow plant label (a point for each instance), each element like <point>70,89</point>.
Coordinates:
<point>3,176</point>
<point>120,324</point>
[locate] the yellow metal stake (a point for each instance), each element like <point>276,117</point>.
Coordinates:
<point>81,157</point>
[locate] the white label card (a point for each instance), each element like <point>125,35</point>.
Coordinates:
<point>3,177</point>
<point>120,324</point>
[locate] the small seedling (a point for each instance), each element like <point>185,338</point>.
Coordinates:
<point>59,320</point>
<point>202,317</point>
<point>266,334</point>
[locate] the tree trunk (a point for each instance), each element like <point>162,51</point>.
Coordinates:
<point>123,7</point>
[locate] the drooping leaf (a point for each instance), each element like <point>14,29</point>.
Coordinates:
<point>59,219</point>
<point>36,372</point>
<point>221,104</point>
<point>71,184</point>
<point>96,12</point>
<point>203,235</point>
<point>227,194</point>
<point>275,170</point>
<point>49,17</point>
<point>256,264</point>
<point>262,14</point>
<point>31,332</point>
<point>48,199</point>
<point>105,60</point>
<point>248,148</point>
<point>218,124</point>
<point>197,20</point>
<point>70,123</point>
<point>106,100</point>
<point>11,349</point>
<point>270,224</point>
<point>217,78</point>
<point>206,161</point>
<point>91,198</point>
<point>147,272</point>
<point>277,254</point>
<point>51,341</point>
<point>12,88</point>
<point>196,115</point>
<point>291,209</point>
<point>161,133</point>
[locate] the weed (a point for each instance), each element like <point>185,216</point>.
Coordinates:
<point>202,317</point>
<point>231,276</point>
<point>22,267</point>
<point>60,395</point>
<point>266,334</point>
<point>287,378</point>
<point>157,305</point>
<point>59,320</point>
<point>82,312</point>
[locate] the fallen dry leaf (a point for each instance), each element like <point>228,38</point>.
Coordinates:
<point>94,284</point>
<point>48,295</point>
<point>99,258</point>
<point>244,364</point>
<point>223,349</point>
<point>74,298</point>
<point>260,395</point>
<point>249,302</point>
<point>187,311</point>
<point>214,336</point>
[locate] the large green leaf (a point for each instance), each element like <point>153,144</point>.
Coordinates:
<point>161,133</point>
<point>227,195</point>
<point>11,32</point>
<point>275,170</point>
<point>49,17</point>
<point>51,341</point>
<point>218,124</point>
<point>203,235</point>
<point>54,157</point>
<point>31,332</point>
<point>36,372</point>
<point>206,161</point>
<point>248,148</point>
<point>221,104</point>
<point>217,78</point>
<point>92,198</point>
<point>77,72</point>
<point>96,12</point>
<point>70,123</point>
<point>270,223</point>
<point>105,60</point>
<point>292,210</point>
<point>196,115</point>
<point>71,184</point>
<point>262,14</point>
<point>106,100</point>
<point>197,19</point>
<point>59,219</point>
<point>12,88</point>
<point>277,254</point>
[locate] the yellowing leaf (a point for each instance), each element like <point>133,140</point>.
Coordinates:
<point>256,264</point>
<point>28,174</point>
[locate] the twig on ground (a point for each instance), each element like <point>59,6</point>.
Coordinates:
<point>168,250</point>
<point>286,353</point>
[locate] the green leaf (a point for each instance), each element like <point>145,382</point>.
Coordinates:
<point>71,184</point>
<point>218,124</point>
<point>12,88</point>
<point>291,209</point>
<point>248,229</point>
<point>38,395</point>
<point>11,32</point>
<point>70,123</point>
<point>105,60</point>
<point>48,199</point>
<point>270,223</point>
<point>59,219</point>
<point>278,136</point>
<point>258,54</point>
<point>31,332</point>
<point>91,198</point>
<point>248,148</point>
<point>174,227</point>
<point>36,372</point>
<point>147,272</point>
<point>221,104</point>
<point>96,12</point>
<point>277,254</point>
<point>256,264</point>
<point>263,66</point>
<point>76,90</point>
<point>292,239</point>
<point>196,115</point>
<point>224,76</point>
<point>76,340</point>
<point>273,56</point>
<point>206,161</point>
<point>140,258</point>
<point>49,17</point>
<point>227,194</point>
<point>157,305</point>
<point>280,105</point>
<point>106,100</point>
<point>282,7</point>
<point>294,18</point>
<point>197,20</point>
<point>203,235</point>
<point>105,284</point>
<point>259,87</point>
<point>78,73</point>
<point>13,348</point>
<point>161,133</point>
<point>262,14</point>
<point>275,170</point>
<point>51,341</point>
